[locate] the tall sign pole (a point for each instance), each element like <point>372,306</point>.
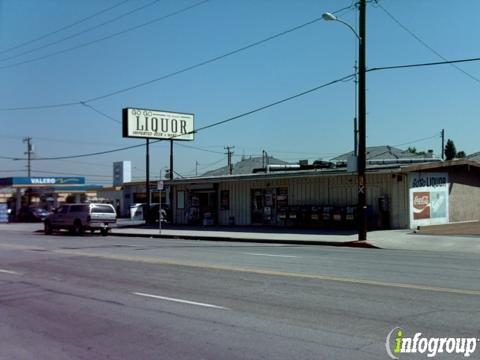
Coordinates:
<point>362,120</point>
<point>147,180</point>
<point>170,197</point>
<point>156,124</point>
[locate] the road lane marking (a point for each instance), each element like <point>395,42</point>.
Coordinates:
<point>3,271</point>
<point>171,262</point>
<point>181,301</point>
<point>271,255</point>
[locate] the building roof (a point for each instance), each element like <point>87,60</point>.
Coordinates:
<point>393,168</point>
<point>384,152</point>
<point>440,165</point>
<point>475,156</point>
<point>246,166</point>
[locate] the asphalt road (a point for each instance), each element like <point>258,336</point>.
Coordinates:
<point>94,297</point>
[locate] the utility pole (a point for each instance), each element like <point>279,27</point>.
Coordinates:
<point>362,120</point>
<point>196,168</point>
<point>29,154</point>
<point>229,153</point>
<point>355,118</point>
<point>443,143</point>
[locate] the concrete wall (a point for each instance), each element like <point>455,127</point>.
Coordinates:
<point>464,194</point>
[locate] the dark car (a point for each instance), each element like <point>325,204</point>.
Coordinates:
<point>154,213</point>
<point>32,214</point>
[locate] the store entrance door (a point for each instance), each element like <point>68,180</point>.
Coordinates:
<point>203,207</point>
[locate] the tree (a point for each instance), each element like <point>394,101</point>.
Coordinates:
<point>461,154</point>
<point>450,150</point>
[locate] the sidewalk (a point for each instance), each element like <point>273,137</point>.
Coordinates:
<point>246,234</point>
<point>385,239</point>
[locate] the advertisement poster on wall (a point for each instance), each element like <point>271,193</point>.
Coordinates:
<point>428,197</point>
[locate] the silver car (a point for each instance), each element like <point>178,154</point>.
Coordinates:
<point>80,217</point>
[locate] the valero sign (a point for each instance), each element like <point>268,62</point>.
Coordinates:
<point>157,124</point>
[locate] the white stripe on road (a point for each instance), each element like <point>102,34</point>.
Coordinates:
<point>284,256</point>
<point>9,272</point>
<point>180,301</point>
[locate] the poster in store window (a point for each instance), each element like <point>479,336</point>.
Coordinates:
<point>428,195</point>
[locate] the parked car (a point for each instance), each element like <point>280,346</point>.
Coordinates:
<point>138,212</point>
<point>80,217</point>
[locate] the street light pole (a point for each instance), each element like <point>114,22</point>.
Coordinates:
<point>362,120</point>
<point>362,117</point>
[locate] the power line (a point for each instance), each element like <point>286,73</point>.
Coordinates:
<point>206,62</point>
<point>106,37</point>
<point>274,103</point>
<point>100,112</point>
<point>199,129</point>
<point>172,74</point>
<point>63,28</point>
<point>417,141</point>
<point>421,41</point>
<point>128,13</point>
<point>200,149</point>
<point>423,64</point>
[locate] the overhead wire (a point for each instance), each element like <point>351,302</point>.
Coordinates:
<point>41,37</point>
<point>79,33</point>
<point>258,109</point>
<point>421,41</point>
<point>174,13</point>
<point>380,68</point>
<point>171,74</point>
<point>418,140</point>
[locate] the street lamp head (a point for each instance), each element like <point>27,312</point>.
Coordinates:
<point>328,16</point>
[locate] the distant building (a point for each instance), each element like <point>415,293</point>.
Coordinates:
<point>246,166</point>
<point>386,153</point>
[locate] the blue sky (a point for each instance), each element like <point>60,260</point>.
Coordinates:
<point>403,105</point>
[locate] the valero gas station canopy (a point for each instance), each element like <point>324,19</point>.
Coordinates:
<point>33,182</point>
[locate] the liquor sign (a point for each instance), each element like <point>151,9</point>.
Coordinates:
<point>428,196</point>
<point>157,124</point>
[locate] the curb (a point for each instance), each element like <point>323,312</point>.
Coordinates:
<point>357,244</point>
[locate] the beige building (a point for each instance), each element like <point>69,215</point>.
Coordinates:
<point>397,197</point>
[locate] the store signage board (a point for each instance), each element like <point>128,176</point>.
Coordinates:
<point>429,199</point>
<point>157,124</point>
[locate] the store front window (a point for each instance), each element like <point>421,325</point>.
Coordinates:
<point>269,206</point>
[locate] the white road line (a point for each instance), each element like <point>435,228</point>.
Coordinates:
<point>9,272</point>
<point>284,256</point>
<point>180,301</point>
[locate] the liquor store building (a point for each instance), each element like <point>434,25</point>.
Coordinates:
<point>398,196</point>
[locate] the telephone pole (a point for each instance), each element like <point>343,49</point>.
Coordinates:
<point>29,153</point>
<point>362,120</point>
<point>229,153</point>
<point>443,143</point>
